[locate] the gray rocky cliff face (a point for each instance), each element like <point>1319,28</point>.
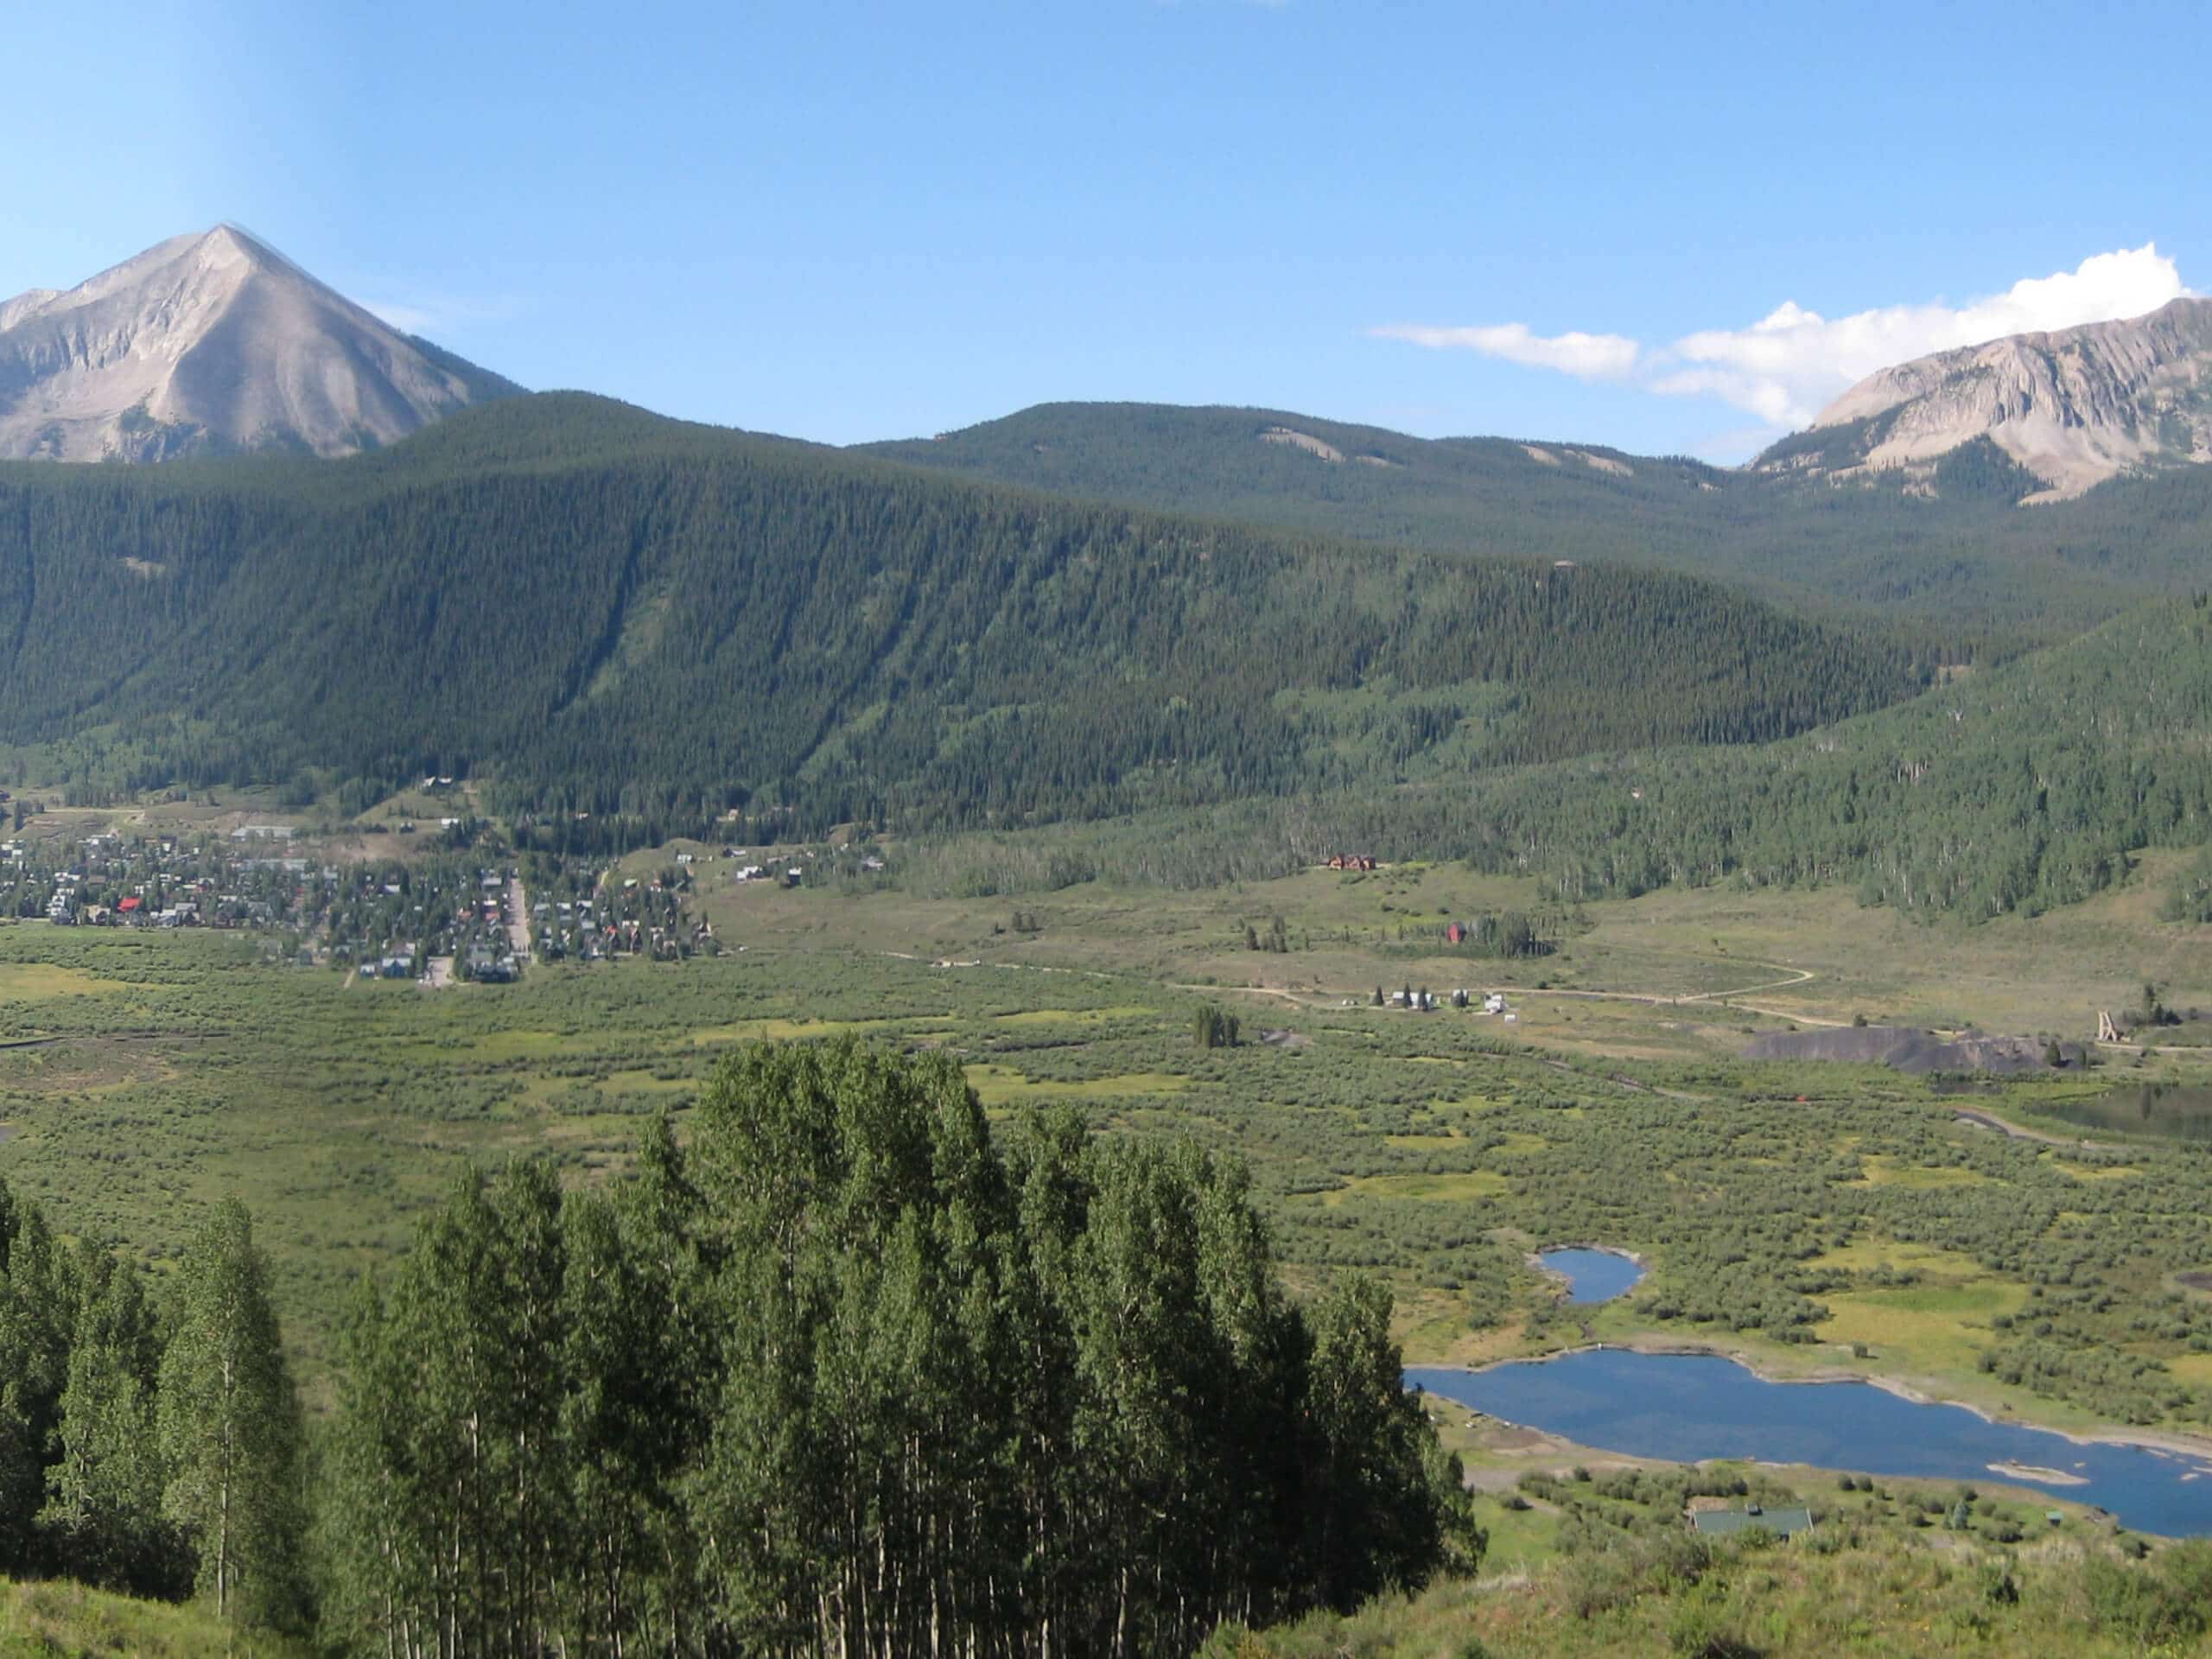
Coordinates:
<point>208,343</point>
<point>2075,407</point>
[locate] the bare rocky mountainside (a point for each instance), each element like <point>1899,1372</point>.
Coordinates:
<point>2072,407</point>
<point>214,343</point>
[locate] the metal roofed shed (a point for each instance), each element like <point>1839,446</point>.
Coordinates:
<point>1721,1523</point>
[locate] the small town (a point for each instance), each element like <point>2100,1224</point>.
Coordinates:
<point>439,917</point>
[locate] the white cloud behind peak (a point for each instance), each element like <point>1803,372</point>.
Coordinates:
<point>1784,367</point>
<point>1586,357</point>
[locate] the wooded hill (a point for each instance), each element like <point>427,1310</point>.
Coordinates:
<point>1949,550</point>
<point>604,611</point>
<point>2013,790</point>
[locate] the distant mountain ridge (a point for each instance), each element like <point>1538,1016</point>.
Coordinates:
<point>214,343</point>
<point>599,611</point>
<point>2074,407</point>
<point>1949,551</point>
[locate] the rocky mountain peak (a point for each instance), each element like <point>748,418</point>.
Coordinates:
<point>214,343</point>
<point>2073,407</point>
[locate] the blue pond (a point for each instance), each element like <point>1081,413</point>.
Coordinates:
<point>1683,1408</point>
<point>1592,1275</point>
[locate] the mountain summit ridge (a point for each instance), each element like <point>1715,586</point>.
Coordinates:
<point>2073,406</point>
<point>213,342</point>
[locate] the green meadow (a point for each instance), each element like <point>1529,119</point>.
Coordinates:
<point>1811,1217</point>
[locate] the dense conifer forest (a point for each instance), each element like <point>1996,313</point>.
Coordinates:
<point>845,1373</point>
<point>150,1439</point>
<point>2015,791</point>
<point>604,613</point>
<point>2010,792</point>
<point>1953,558</point>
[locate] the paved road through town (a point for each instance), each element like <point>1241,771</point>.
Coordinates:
<point>518,919</point>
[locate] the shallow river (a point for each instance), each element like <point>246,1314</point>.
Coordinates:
<point>1683,1408</point>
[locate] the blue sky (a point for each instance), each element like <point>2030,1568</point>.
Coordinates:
<point>848,222</point>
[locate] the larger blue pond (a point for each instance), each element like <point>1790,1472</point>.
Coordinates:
<point>1683,1408</point>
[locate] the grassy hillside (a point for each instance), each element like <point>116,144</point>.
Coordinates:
<point>1954,553</point>
<point>1878,1594</point>
<point>607,613</point>
<point>60,1620</point>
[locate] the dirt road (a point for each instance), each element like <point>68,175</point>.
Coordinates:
<point>1984,1121</point>
<point>1647,998</point>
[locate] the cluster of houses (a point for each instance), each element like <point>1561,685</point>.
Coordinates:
<point>393,919</point>
<point>791,875</point>
<point>568,928</point>
<point>632,917</point>
<point>105,879</point>
<point>1422,1001</point>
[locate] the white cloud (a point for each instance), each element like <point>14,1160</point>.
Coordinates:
<point>1785,366</point>
<point>1587,357</point>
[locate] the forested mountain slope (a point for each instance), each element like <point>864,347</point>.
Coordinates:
<point>2012,790</point>
<point>606,613</point>
<point>1953,550</point>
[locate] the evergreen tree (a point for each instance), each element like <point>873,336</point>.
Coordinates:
<point>20,1476</point>
<point>1386,1504</point>
<point>629,1423</point>
<point>230,1428</point>
<point>37,1303</point>
<point>104,1505</point>
<point>362,1536</point>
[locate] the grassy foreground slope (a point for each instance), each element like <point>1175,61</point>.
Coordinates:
<point>1878,1594</point>
<point>1954,551</point>
<point>616,614</point>
<point>61,1620</point>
